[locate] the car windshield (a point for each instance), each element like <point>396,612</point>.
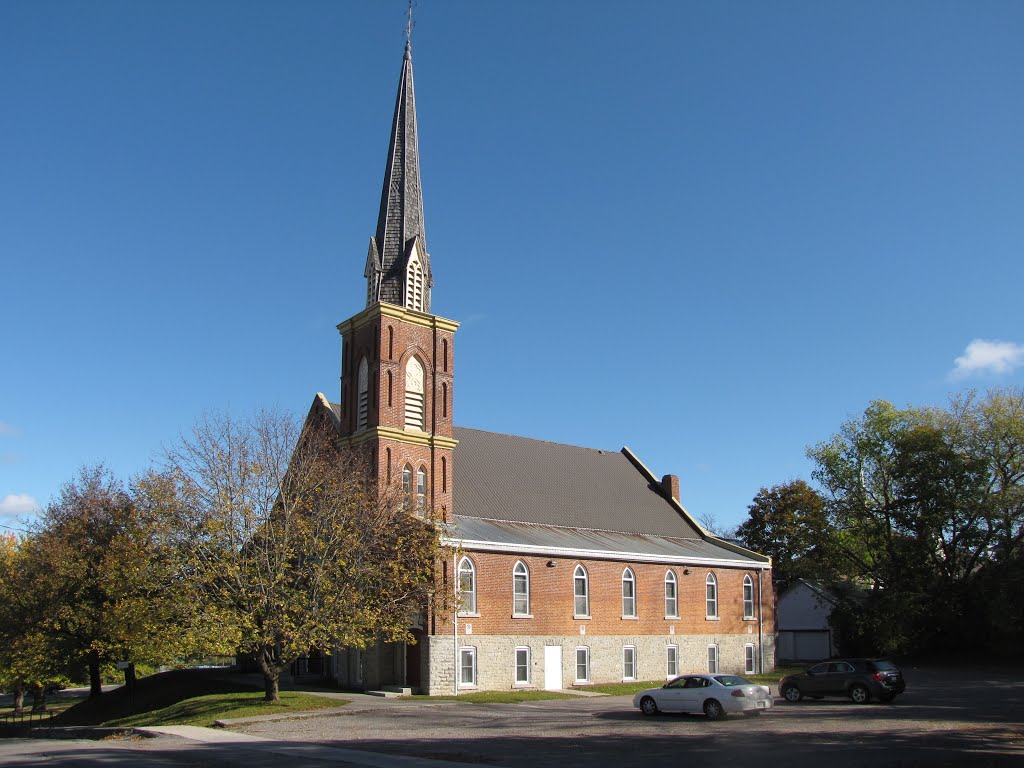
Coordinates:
<point>730,681</point>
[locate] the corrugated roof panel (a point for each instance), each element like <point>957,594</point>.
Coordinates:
<point>547,539</point>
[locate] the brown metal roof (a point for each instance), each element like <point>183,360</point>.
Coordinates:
<point>516,479</point>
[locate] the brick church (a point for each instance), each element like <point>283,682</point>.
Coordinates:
<point>574,565</point>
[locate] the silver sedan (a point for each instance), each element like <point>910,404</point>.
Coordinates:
<point>714,695</point>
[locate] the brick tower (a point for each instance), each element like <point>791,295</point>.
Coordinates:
<point>397,357</point>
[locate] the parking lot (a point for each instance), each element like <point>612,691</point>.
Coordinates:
<point>946,718</point>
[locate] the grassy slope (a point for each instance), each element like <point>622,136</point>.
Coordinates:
<point>184,697</point>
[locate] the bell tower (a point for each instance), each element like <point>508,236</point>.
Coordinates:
<point>397,358</point>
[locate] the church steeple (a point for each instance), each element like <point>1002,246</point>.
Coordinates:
<point>398,265</point>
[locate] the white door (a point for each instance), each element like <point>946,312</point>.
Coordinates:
<point>552,667</point>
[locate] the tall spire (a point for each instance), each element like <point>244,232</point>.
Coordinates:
<point>397,265</point>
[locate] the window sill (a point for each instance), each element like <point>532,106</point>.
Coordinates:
<point>750,618</point>
<point>581,682</point>
<point>467,686</point>
<point>631,618</point>
<point>710,618</point>
<point>523,687</point>
<point>672,618</point>
<point>578,616</point>
<point>522,615</point>
<point>468,615</point>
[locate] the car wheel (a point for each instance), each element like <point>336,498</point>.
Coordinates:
<point>713,710</point>
<point>792,693</point>
<point>648,706</point>
<point>860,694</point>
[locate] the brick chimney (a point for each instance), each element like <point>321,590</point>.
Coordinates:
<point>670,485</point>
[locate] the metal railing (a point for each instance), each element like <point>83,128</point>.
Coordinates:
<point>20,723</point>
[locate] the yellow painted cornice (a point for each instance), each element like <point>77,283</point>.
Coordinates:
<point>410,316</point>
<point>399,436</point>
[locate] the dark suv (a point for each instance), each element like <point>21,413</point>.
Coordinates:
<point>860,679</point>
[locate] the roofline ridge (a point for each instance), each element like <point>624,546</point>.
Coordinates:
<point>536,439</point>
<point>570,528</point>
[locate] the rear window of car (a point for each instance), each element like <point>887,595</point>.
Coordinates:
<point>731,680</point>
<point>882,665</point>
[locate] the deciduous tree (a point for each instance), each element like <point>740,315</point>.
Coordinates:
<point>287,543</point>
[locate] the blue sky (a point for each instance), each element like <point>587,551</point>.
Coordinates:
<point>708,231</point>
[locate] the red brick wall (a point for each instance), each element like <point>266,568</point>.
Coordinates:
<point>551,598</point>
<point>387,343</point>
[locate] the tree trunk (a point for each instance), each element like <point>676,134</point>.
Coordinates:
<point>95,681</point>
<point>271,673</point>
<point>19,698</point>
<point>38,698</point>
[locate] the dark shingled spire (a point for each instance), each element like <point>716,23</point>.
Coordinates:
<point>400,222</point>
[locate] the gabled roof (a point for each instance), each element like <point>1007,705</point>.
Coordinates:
<point>505,477</point>
<point>515,494</point>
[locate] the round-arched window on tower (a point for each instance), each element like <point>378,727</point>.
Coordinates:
<point>414,411</point>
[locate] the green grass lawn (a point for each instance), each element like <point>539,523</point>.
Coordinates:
<point>204,710</point>
<point>186,697</point>
<point>497,697</point>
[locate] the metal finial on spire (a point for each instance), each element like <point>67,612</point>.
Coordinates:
<point>408,27</point>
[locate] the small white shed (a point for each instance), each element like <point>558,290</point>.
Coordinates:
<point>802,614</point>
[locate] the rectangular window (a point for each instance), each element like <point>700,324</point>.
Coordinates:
<point>582,665</point>
<point>582,604</point>
<point>671,600</point>
<point>749,659</point>
<point>748,598</point>
<point>672,661</point>
<point>522,666</point>
<point>629,663</point>
<point>629,596</point>
<point>713,659</point>
<point>467,667</point>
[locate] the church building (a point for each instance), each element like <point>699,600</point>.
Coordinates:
<point>573,565</point>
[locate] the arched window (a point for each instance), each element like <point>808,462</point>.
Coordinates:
<point>421,491</point>
<point>390,397</point>
<point>407,485</point>
<point>391,343</point>
<point>444,354</point>
<point>671,595</point>
<point>467,586</point>
<point>748,597</point>
<point>363,388</point>
<point>444,475</point>
<point>711,584</point>
<point>414,394</point>
<point>628,593</point>
<point>444,399</point>
<point>520,589</point>
<point>414,281</point>
<point>387,454</point>
<point>581,592</point>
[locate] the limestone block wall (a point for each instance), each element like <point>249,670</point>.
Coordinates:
<point>495,658</point>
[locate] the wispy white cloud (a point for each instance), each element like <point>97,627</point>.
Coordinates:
<point>983,356</point>
<point>7,429</point>
<point>17,504</point>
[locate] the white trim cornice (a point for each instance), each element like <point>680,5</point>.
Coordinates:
<point>598,554</point>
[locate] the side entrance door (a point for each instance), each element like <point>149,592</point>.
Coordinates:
<point>552,667</point>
